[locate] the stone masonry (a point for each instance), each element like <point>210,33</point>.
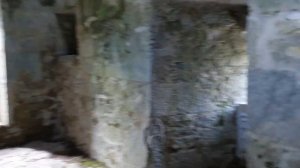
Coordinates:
<point>274,90</point>
<point>33,43</point>
<point>106,98</point>
<point>199,77</point>
<point>154,83</point>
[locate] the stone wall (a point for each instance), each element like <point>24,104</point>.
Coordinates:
<point>234,2</point>
<point>33,43</point>
<point>106,94</point>
<point>103,95</point>
<point>199,77</point>
<point>274,90</point>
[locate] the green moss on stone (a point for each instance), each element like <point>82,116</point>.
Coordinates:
<point>87,163</point>
<point>102,17</point>
<point>110,11</point>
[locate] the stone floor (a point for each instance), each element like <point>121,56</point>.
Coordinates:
<point>55,155</point>
<point>41,155</point>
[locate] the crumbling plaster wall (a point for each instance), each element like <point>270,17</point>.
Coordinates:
<point>33,43</point>
<point>106,96</point>
<point>199,77</point>
<point>274,90</point>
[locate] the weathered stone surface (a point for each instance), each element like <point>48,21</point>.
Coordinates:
<point>273,98</point>
<point>273,6</point>
<point>77,101</point>
<point>274,84</point>
<point>273,39</point>
<point>104,94</point>
<point>217,1</point>
<point>32,41</point>
<point>263,153</point>
<point>199,76</point>
<point>107,93</point>
<point>242,122</point>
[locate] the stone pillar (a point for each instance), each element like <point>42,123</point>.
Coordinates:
<point>274,84</point>
<point>115,53</point>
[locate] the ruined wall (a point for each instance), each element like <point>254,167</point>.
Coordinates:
<point>234,2</point>
<point>274,90</point>
<point>32,41</point>
<point>106,96</point>
<point>199,77</point>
